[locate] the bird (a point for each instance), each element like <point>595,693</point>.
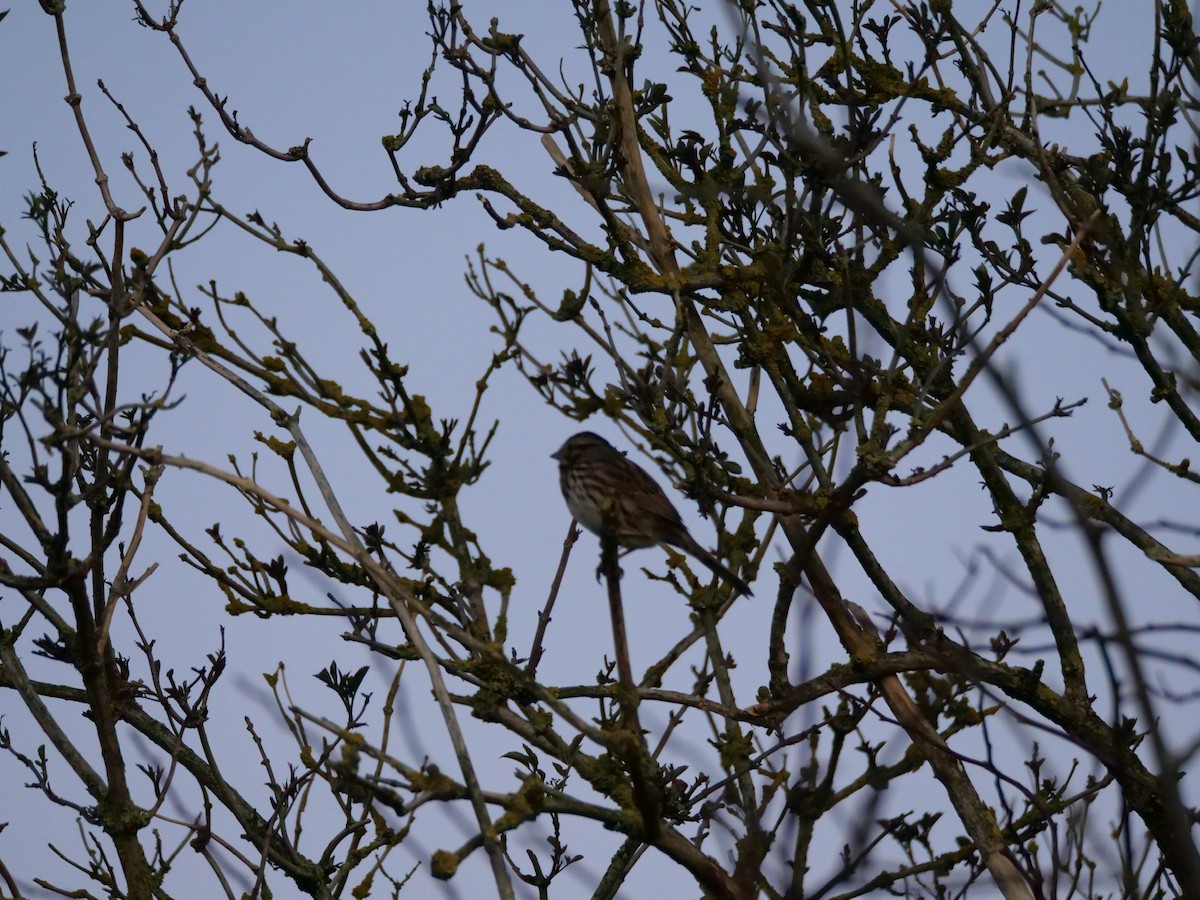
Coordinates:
<point>615,498</point>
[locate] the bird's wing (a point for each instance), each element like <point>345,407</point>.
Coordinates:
<point>653,500</point>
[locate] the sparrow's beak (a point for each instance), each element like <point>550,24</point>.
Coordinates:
<point>557,454</point>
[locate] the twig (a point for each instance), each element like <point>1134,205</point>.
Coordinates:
<point>633,749</point>
<point>120,586</point>
<point>536,651</point>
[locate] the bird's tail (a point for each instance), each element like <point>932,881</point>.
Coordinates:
<point>688,543</point>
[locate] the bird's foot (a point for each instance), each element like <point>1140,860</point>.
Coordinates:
<point>618,571</point>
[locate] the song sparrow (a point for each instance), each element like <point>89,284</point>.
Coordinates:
<point>613,497</point>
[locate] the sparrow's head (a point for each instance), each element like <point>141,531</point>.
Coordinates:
<point>579,445</point>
